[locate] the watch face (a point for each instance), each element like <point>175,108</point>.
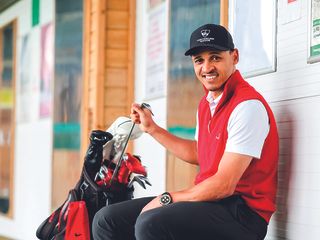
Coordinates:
<point>165,199</point>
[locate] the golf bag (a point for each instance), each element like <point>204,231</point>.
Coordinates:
<point>107,177</point>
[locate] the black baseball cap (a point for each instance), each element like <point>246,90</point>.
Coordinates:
<point>210,37</point>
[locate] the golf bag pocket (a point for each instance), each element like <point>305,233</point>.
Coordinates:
<point>54,226</point>
<point>47,229</point>
<point>77,222</point>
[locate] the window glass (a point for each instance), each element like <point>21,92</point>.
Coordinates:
<point>6,117</point>
<point>67,97</point>
<point>184,91</point>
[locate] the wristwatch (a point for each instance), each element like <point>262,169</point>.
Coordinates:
<point>165,199</point>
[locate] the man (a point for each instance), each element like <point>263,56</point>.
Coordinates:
<point>236,148</point>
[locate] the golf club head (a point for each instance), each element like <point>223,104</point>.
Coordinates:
<point>122,126</point>
<point>94,155</point>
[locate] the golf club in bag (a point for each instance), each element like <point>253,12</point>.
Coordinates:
<point>107,177</point>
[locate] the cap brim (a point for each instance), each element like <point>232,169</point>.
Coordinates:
<point>199,49</point>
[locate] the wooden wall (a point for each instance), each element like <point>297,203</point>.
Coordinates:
<point>108,63</point>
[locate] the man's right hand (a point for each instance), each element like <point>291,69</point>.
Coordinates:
<point>143,117</point>
<point>184,149</point>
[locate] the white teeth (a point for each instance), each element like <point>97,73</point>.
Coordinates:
<point>209,77</point>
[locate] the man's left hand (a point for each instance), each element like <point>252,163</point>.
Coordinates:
<point>154,203</point>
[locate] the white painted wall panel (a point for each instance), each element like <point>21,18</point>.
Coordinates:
<point>33,144</point>
<point>152,153</point>
<point>293,92</point>
<point>299,168</point>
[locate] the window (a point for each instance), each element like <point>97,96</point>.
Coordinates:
<point>252,24</point>
<point>183,89</point>
<point>67,98</point>
<point>7,110</point>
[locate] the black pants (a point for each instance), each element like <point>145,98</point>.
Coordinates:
<point>226,219</point>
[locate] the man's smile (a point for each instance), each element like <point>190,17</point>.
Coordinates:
<point>210,77</point>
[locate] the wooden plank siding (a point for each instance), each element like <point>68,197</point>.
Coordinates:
<point>224,8</point>
<point>108,63</point>
<point>120,30</point>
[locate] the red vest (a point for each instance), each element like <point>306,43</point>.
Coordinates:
<point>258,184</point>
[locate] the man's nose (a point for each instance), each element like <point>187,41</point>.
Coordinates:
<point>207,67</point>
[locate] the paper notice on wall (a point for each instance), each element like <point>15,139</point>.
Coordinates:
<point>156,44</point>
<point>154,3</point>
<point>46,70</point>
<point>28,82</point>
<point>291,11</point>
<point>6,98</point>
<point>315,28</point>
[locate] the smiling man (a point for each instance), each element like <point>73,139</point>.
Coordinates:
<point>236,148</point>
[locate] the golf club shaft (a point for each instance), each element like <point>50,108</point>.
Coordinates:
<point>115,172</point>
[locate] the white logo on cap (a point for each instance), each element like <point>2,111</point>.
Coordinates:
<point>205,38</point>
<point>205,32</point>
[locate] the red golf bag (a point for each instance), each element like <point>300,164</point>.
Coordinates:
<point>102,182</point>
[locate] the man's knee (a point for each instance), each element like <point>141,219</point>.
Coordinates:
<point>149,226</point>
<point>103,220</point>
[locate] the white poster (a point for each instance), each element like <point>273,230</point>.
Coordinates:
<point>156,52</point>
<point>291,11</point>
<point>29,79</point>
<point>314,32</point>
<point>252,24</point>
<point>46,70</point>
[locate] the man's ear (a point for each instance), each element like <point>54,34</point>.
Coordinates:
<point>235,54</point>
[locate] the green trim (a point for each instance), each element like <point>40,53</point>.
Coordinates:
<point>66,136</point>
<point>315,50</point>
<point>35,12</point>
<point>316,22</point>
<point>182,131</point>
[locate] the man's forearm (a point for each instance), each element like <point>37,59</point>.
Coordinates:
<point>209,190</point>
<point>184,149</point>
<point>220,185</point>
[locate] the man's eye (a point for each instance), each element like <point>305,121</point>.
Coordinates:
<point>198,61</point>
<point>215,58</point>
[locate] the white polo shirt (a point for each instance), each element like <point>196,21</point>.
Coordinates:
<point>248,126</point>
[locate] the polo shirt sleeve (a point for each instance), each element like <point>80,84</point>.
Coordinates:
<point>197,128</point>
<point>248,127</point>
